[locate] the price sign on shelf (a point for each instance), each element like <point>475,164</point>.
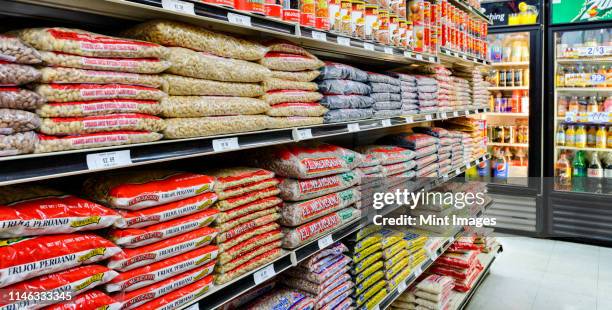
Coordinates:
<point>445,177</point>
<point>467,112</point>
<point>352,127</point>
<point>455,113</point>
<point>409,119</point>
<point>368,46</point>
<point>443,115</point>
<point>458,171</point>
<point>598,117</point>
<point>344,41</point>
<point>386,122</point>
<point>418,270</point>
<point>325,242</point>
<point>264,274</point>
<point>401,286</point>
<point>302,134</point>
<point>195,306</point>
<point>468,165</point>
<point>239,19</point>
<point>570,116</point>
<point>108,159</point>
<point>432,59</point>
<point>389,50</point>
<point>321,36</point>
<point>418,57</point>
<point>227,144</point>
<point>407,54</point>
<point>377,307</point>
<point>179,6</point>
<point>428,117</point>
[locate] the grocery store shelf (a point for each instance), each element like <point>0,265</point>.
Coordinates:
<point>588,59</point>
<point>451,57</point>
<point>589,149</point>
<point>509,88</point>
<point>511,64</point>
<point>508,114</point>
<point>32,167</point>
<point>508,144</point>
<point>584,89</point>
<point>473,11</point>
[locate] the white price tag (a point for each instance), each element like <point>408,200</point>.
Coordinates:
<point>264,274</point>
<point>432,59</point>
<point>464,57</point>
<point>321,36</point>
<point>451,239</point>
<point>455,113</point>
<point>418,57</point>
<point>468,165</point>
<point>368,46</point>
<point>239,19</point>
<point>325,242</point>
<point>389,50</point>
<point>428,117</point>
<point>456,54</point>
<point>220,145</point>
<point>302,134</point>
<point>570,116</point>
<point>108,159</point>
<point>195,306</point>
<point>409,119</point>
<point>344,41</point>
<point>418,271</point>
<point>443,115</point>
<point>352,127</point>
<point>458,171</point>
<point>407,54</point>
<point>598,117</point>
<point>467,112</point>
<point>386,122</point>
<point>445,177</point>
<point>377,307</point>
<point>401,286</point>
<point>178,6</point>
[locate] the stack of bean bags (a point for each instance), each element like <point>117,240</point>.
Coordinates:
<point>462,96</point>
<point>386,93</point>
<point>424,148</point>
<point>478,86</point>
<point>433,292</point>
<point>466,130</point>
<point>444,145</point>
<point>213,89</point>
<point>368,267</point>
<point>396,257</point>
<point>372,180</point>
<point>324,277</point>
<point>249,209</point>
<point>467,148</point>
<point>318,188</point>
<point>461,263</point>
<point>427,94</point>
<point>409,95</point>
<point>345,93</point>
<point>17,122</point>
<point>279,298</point>
<point>445,88</point>
<point>406,300</point>
<point>290,92</point>
<point>164,232</point>
<point>397,164</point>
<point>100,90</point>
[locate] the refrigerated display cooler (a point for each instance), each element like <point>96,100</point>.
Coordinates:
<point>578,139</point>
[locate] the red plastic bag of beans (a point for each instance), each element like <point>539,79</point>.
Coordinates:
<point>246,188</point>
<point>180,297</point>
<point>93,299</point>
<point>135,237</point>
<point>26,258</point>
<point>242,228</point>
<point>387,154</point>
<point>235,202</point>
<point>247,246</point>
<point>149,274</point>
<point>237,176</point>
<point>133,258</point>
<point>68,283</point>
<point>163,213</point>
<point>249,208</point>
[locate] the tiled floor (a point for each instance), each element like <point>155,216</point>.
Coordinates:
<point>547,274</point>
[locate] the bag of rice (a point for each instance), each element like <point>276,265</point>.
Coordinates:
<point>249,245</point>
<point>244,227</point>
<point>382,78</point>
<point>296,190</point>
<point>412,141</point>
<point>223,227</point>
<point>100,139</point>
<point>273,97</point>
<point>248,234</point>
<point>381,97</point>
<point>134,65</point>
<point>344,115</point>
<point>179,128</point>
<point>105,123</point>
<point>252,264</point>
<point>387,154</point>
<point>72,75</point>
<point>186,86</point>
<point>302,76</point>
<point>294,121</point>
<point>294,237</point>
<point>278,84</point>
<point>99,107</point>
<point>86,92</point>
<point>223,268</point>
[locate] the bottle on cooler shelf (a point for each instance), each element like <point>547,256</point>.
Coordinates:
<point>570,136</point>
<point>581,137</point>
<point>573,105</point>
<point>591,133</point>
<point>499,166</point>
<point>608,167</point>
<point>609,142</point>
<point>560,137</point>
<point>595,174</point>
<point>560,80</point>
<point>562,105</point>
<point>592,106</point>
<point>579,171</point>
<point>600,137</point>
<point>563,173</point>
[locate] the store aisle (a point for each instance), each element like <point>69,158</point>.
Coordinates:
<point>547,274</point>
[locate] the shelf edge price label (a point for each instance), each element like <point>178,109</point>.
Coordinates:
<point>227,144</point>
<point>344,41</point>
<point>445,177</point>
<point>407,54</point>
<point>432,59</point>
<point>467,112</point>
<point>179,6</point>
<point>443,115</point>
<point>195,306</point>
<point>368,46</point>
<point>455,114</point>
<point>239,19</point>
<point>377,307</point>
<point>352,127</point>
<point>458,171</point>
<point>598,117</point>
<point>418,270</point>
<point>468,165</point>
<point>389,50</point>
<point>418,57</point>
<point>570,116</point>
<point>321,36</point>
<point>301,134</point>
<point>325,242</point>
<point>108,159</point>
<point>401,286</point>
<point>264,274</point>
<point>409,119</point>
<point>428,117</point>
<point>386,122</point>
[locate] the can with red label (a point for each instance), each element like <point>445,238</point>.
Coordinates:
<point>307,13</point>
<point>273,8</point>
<point>291,11</point>
<point>426,13</point>
<point>225,3</point>
<point>402,33</point>
<point>322,15</point>
<point>443,11</point>
<point>252,6</point>
<point>333,13</point>
<point>371,21</point>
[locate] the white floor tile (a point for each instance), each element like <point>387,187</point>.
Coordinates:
<point>570,284</point>
<point>553,299</point>
<point>586,267</point>
<point>604,302</point>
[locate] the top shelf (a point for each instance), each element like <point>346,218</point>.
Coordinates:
<point>471,10</point>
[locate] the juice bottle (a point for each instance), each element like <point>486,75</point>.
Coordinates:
<point>560,135</point>
<point>510,78</point>
<point>562,105</point>
<point>581,137</point>
<point>563,172</point>
<point>592,106</point>
<point>560,76</point>
<point>526,77</point>
<point>570,136</point>
<point>517,50</point>
<point>609,77</point>
<point>601,137</point>
<point>582,104</point>
<point>591,132</point>
<point>580,76</point>
<point>573,105</point>
<point>609,143</point>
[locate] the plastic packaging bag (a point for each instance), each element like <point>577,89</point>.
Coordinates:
<point>238,261</point>
<point>15,74</point>
<point>347,102</point>
<point>106,123</point>
<point>403,77</point>
<point>186,86</point>
<point>344,87</point>
<point>427,96</point>
<point>248,198</point>
<point>294,121</point>
<point>72,75</point>
<point>437,132</point>
<point>54,144</point>
<point>387,154</point>
<point>297,109</point>
<point>177,128</point>
<point>296,190</point>
<point>384,88</point>
<point>303,76</point>
<point>409,95</point>
<point>294,214</point>
<point>423,80</point>
<point>13,50</point>
<point>281,84</point>
<point>252,264</point>
<point>80,42</point>
<point>17,98</point>
<point>85,92</point>
<point>290,62</point>
<point>99,107</point>
<point>412,141</point>
<point>381,78</point>
<point>260,242</point>
<point>343,115</point>
<point>181,297</point>
<point>425,151</point>
<point>14,121</point>
<point>386,97</point>
<point>283,46</point>
<point>199,106</point>
<point>387,105</point>
<point>387,113</point>
<point>294,237</point>
<point>279,96</point>
<point>189,63</point>
<point>19,143</point>
<point>283,299</point>
<point>172,33</point>
<point>334,71</point>
<point>135,65</point>
<point>427,88</point>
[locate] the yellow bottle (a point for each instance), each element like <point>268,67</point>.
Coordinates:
<point>601,137</point>
<point>581,137</point>
<point>570,136</point>
<point>609,137</point>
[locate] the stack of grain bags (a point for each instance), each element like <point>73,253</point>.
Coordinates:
<point>396,257</point>
<point>212,82</point>
<point>249,235</point>
<point>386,93</point>
<point>290,92</point>
<point>445,88</point>
<point>164,231</point>
<point>408,93</point>
<point>372,181</point>
<point>427,94</point>
<point>478,86</point>
<point>100,90</point>
<point>345,93</point>
<point>461,98</point>
<point>368,269</point>
<point>406,300</point>
<point>444,145</point>
<point>318,188</point>
<point>461,263</point>
<point>433,292</point>
<point>17,122</point>
<point>397,163</point>
<point>51,233</point>
<point>424,148</point>
<point>324,277</point>
<point>469,132</point>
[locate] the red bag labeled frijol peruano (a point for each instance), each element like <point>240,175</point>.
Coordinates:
<point>68,283</point>
<point>93,299</point>
<point>51,213</point>
<point>149,274</point>
<point>133,299</point>
<point>181,296</point>
<point>135,237</point>
<point>133,258</point>
<point>163,213</point>
<point>26,258</point>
